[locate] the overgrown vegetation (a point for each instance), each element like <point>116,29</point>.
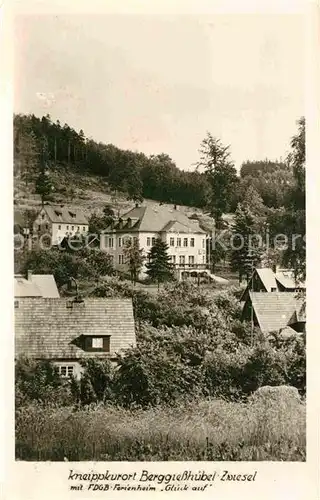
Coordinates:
<point>190,347</point>
<point>184,392</point>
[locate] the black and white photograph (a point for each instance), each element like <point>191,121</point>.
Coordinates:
<point>159,239</point>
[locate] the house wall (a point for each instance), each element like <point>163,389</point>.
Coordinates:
<point>77,368</point>
<point>145,243</point>
<point>43,225</point>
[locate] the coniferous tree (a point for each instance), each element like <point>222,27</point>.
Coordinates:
<point>221,173</point>
<point>247,243</point>
<point>134,259</point>
<point>159,268</point>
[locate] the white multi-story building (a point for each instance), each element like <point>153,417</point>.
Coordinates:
<point>185,239</point>
<point>59,222</point>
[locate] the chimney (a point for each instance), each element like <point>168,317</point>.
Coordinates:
<point>29,276</point>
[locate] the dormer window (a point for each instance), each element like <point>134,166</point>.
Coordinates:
<point>58,213</point>
<point>72,214</point>
<point>97,344</point>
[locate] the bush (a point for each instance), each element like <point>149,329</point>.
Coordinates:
<point>39,381</point>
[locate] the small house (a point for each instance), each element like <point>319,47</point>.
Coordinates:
<point>266,280</point>
<point>36,285</point>
<point>273,311</point>
<point>68,331</point>
<point>59,222</point>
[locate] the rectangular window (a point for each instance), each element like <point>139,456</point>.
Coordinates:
<point>66,371</point>
<point>178,242</point>
<point>121,259</point>
<point>153,241</point>
<point>97,343</point>
<point>173,259</point>
<point>59,227</point>
<point>42,216</point>
<point>148,242</point>
<point>83,229</point>
<point>120,242</point>
<point>172,242</point>
<point>182,259</point>
<point>203,243</point>
<point>192,242</point>
<point>47,227</point>
<point>135,240</point>
<point>185,242</point>
<point>191,259</point>
<point>110,242</point>
<point>67,228</point>
<point>78,228</point>
<point>72,228</point>
<point>39,227</point>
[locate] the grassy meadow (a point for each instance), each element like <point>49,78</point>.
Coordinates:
<point>206,430</point>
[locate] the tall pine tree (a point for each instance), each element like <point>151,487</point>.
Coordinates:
<point>246,247</point>
<point>134,259</point>
<point>159,268</point>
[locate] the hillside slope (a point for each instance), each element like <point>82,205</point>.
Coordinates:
<point>86,191</point>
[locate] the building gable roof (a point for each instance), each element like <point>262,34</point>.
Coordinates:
<point>273,310</point>
<point>65,215</point>
<point>267,277</point>
<point>47,328</point>
<point>156,218</point>
<point>177,227</point>
<point>25,288</point>
<point>46,284</point>
<point>286,278</point>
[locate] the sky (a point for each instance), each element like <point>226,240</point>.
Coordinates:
<point>158,83</point>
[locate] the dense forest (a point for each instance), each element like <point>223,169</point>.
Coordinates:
<point>39,141</point>
<point>264,196</point>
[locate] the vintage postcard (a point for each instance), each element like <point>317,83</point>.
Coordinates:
<point>161,301</point>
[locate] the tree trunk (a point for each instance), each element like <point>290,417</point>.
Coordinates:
<point>55,150</point>
<point>69,151</point>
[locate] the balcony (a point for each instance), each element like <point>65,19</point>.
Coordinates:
<point>188,266</point>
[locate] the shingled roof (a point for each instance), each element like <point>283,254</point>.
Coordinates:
<point>274,310</point>
<point>46,284</point>
<point>286,278</point>
<point>66,215</point>
<point>47,328</point>
<point>156,219</point>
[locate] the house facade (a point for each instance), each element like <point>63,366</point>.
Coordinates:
<point>185,239</point>
<point>69,331</point>
<point>60,222</point>
<point>267,280</point>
